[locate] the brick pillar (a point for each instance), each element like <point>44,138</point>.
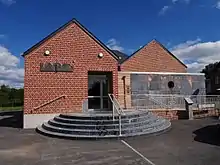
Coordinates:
<point>124,90</point>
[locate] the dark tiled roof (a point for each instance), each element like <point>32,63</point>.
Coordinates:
<point>121,56</point>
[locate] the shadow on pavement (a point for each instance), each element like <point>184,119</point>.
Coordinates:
<point>209,134</point>
<point>182,115</point>
<point>11,119</point>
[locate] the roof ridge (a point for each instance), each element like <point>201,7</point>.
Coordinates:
<point>169,52</point>
<point>73,20</point>
<point>164,48</point>
<point>137,51</point>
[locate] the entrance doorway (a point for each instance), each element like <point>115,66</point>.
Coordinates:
<point>99,85</point>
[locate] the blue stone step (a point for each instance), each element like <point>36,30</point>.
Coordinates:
<point>99,122</point>
<point>159,130</point>
<point>80,125</point>
<point>79,116</point>
<point>98,126</point>
<point>107,126</point>
<point>115,131</point>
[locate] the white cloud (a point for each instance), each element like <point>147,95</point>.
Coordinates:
<point>186,1</point>
<point>8,2</point>
<point>197,54</point>
<point>174,2</point>
<point>10,73</point>
<point>218,5</point>
<point>114,45</point>
<point>2,36</point>
<point>186,44</point>
<point>164,10</point>
<point>6,58</point>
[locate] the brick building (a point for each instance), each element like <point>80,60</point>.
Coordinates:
<point>71,70</point>
<point>212,74</point>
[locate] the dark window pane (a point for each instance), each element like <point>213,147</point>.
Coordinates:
<point>105,88</point>
<point>94,88</point>
<point>105,103</point>
<point>94,103</point>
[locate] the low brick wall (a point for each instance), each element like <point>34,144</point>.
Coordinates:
<point>167,114</point>
<point>205,113</point>
<point>181,114</point>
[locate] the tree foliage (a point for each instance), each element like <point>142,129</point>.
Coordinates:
<point>11,96</point>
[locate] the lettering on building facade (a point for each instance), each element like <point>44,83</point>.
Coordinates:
<point>55,67</point>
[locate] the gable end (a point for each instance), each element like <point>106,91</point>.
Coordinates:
<point>62,28</point>
<point>133,54</point>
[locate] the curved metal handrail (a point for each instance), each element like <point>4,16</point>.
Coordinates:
<point>48,102</point>
<point>116,103</point>
<point>119,110</point>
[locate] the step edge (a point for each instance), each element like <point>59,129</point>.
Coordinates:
<point>95,130</point>
<point>66,119</point>
<point>42,130</point>
<point>113,124</point>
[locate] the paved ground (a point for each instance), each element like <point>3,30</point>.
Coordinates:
<point>187,143</point>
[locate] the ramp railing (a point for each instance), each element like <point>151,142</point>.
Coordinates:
<point>116,109</point>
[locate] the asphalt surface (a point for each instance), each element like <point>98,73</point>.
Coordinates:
<point>187,143</point>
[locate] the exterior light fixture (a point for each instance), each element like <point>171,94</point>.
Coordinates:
<point>46,53</point>
<point>100,55</point>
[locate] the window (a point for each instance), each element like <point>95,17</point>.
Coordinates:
<point>217,80</point>
<point>171,84</point>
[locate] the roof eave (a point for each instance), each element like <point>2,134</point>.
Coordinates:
<point>63,27</point>
<point>162,47</point>
<point>170,53</point>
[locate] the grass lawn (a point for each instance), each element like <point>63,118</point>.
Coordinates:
<point>10,108</point>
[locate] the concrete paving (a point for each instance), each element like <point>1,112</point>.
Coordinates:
<point>187,143</point>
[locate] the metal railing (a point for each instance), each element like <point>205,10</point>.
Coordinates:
<point>48,102</point>
<point>173,102</point>
<point>150,101</point>
<point>206,101</point>
<point>116,108</point>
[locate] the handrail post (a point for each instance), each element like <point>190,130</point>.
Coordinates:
<point>119,118</point>
<point>118,110</point>
<point>113,113</point>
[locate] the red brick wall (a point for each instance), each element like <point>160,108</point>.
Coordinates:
<point>170,115</point>
<point>73,46</point>
<point>152,58</point>
<point>175,114</point>
<point>209,112</point>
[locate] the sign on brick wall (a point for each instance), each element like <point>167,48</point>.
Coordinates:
<point>55,67</point>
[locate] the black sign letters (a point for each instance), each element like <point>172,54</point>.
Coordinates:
<point>55,67</point>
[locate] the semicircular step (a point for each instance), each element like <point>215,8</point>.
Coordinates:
<point>97,126</point>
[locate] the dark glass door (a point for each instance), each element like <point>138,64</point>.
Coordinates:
<point>98,88</point>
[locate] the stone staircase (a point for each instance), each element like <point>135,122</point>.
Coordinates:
<point>94,126</point>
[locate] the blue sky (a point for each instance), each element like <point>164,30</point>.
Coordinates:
<point>189,28</point>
